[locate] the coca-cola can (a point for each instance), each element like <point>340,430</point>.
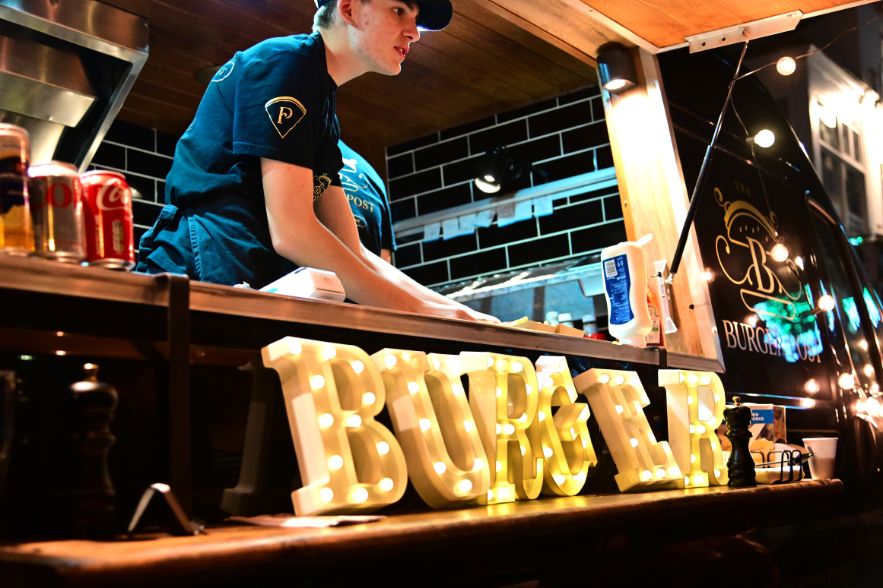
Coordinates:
<point>108,216</point>
<point>56,199</point>
<point>16,230</point>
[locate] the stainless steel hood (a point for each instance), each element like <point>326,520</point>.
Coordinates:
<point>66,66</point>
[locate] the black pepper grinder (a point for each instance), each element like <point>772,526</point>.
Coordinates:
<point>740,466</point>
<point>93,511</point>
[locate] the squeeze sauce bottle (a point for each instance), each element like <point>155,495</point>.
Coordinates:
<point>625,287</point>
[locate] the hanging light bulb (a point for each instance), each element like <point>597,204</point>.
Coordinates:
<point>846,381</point>
<point>764,138</point>
<point>497,170</point>
<point>779,252</point>
<point>826,303</point>
<point>786,65</point>
<point>811,386</point>
<point>487,184</point>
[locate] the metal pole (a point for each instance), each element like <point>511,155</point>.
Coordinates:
<point>700,180</point>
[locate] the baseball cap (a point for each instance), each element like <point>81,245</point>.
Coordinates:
<point>434,15</point>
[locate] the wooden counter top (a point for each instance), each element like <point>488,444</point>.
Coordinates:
<point>425,546</point>
<point>31,275</point>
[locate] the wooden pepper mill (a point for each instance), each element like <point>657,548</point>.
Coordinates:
<point>93,512</point>
<point>740,466</point>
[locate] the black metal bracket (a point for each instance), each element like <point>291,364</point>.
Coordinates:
<point>178,522</point>
<point>178,373</point>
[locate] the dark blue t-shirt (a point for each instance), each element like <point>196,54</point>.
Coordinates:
<point>274,101</point>
<point>366,194</point>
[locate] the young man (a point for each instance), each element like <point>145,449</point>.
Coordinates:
<point>254,190</point>
<point>366,193</point>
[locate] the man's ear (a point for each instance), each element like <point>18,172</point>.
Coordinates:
<point>345,10</point>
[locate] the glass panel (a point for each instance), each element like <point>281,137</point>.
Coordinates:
<point>875,312</point>
<point>857,147</point>
<point>844,138</point>
<point>856,200</point>
<point>832,178</point>
<point>841,288</point>
<point>829,135</point>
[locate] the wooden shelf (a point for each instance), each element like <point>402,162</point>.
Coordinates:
<point>29,275</point>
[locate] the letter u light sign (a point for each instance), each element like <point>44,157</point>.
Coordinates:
<point>520,432</point>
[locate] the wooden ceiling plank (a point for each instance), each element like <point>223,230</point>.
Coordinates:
<point>165,117</point>
<point>167,94</point>
<point>569,26</point>
<point>139,7</point>
<point>670,26</point>
<point>181,53</point>
<point>183,84</point>
<point>520,38</point>
<point>497,8</point>
<point>481,65</point>
<point>476,42</point>
<point>213,24</point>
<point>487,71</point>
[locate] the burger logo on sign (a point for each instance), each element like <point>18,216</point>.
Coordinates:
<point>768,287</point>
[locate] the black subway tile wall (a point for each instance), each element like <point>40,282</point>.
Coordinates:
<point>144,156</point>
<point>560,138</point>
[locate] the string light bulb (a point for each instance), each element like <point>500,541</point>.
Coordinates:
<point>764,138</point>
<point>786,66</point>
<point>846,381</point>
<point>826,303</point>
<point>779,252</point>
<point>811,386</point>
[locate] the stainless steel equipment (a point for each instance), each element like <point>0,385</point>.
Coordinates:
<point>66,66</point>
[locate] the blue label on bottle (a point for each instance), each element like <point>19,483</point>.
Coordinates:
<point>618,283</point>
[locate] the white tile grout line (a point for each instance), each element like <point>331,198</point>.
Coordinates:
<point>567,232</point>
<point>498,124</point>
<point>462,159</point>
<point>139,149</point>
<point>444,187</point>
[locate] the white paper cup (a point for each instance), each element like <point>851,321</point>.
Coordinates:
<point>824,450</point>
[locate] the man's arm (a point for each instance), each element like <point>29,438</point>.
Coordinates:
<point>327,239</point>
<point>396,276</point>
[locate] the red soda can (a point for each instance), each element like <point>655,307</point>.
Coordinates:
<point>108,216</point>
<point>56,198</point>
<point>16,231</point>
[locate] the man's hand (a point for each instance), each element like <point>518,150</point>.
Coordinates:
<point>454,310</point>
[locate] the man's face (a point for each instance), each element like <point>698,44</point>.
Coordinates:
<point>383,32</point>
